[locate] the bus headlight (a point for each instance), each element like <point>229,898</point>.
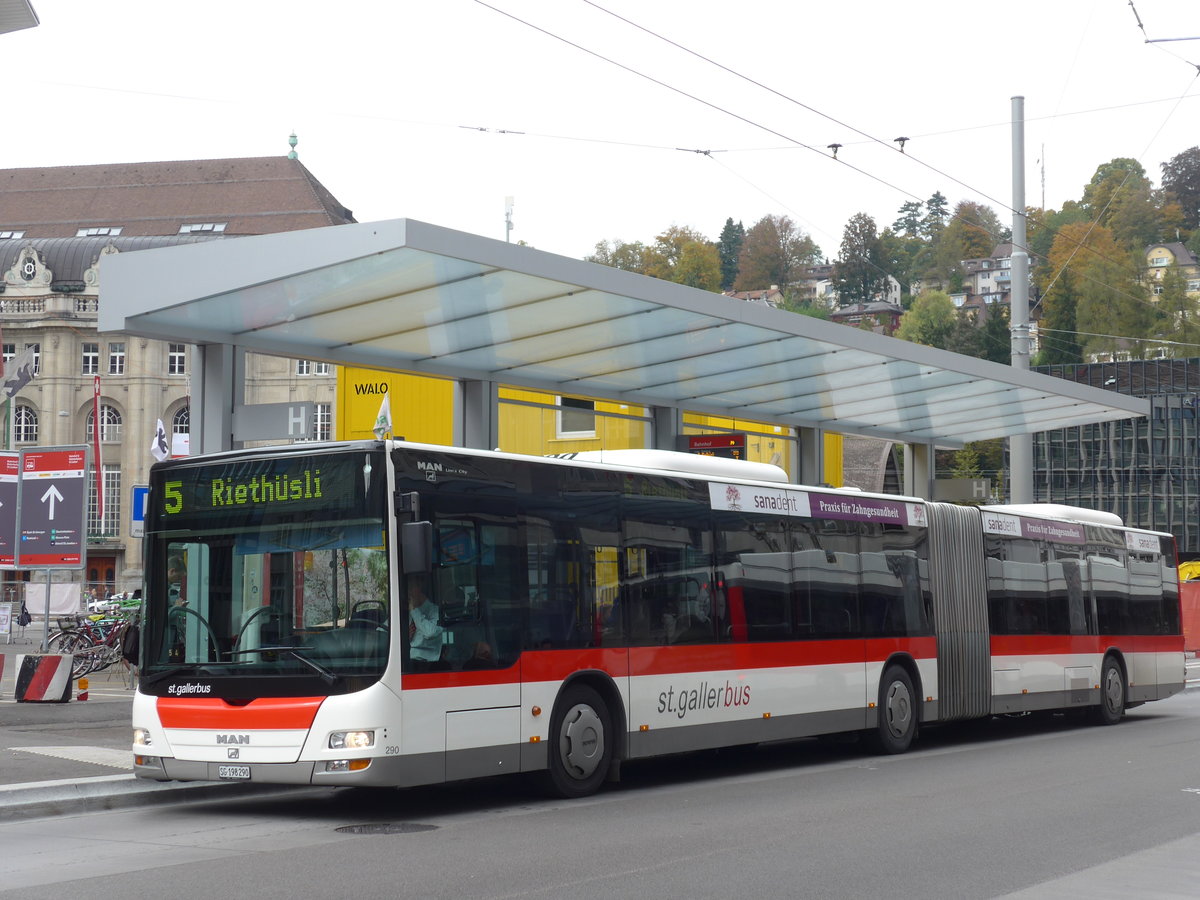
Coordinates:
<point>141,738</point>
<point>351,740</point>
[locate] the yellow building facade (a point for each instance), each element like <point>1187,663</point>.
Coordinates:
<point>539,424</point>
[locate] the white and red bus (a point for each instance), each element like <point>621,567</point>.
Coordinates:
<point>386,613</point>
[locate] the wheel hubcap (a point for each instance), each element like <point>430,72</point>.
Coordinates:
<point>897,708</point>
<point>1112,690</point>
<point>581,741</point>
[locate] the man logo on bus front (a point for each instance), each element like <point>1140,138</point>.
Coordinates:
<point>234,753</point>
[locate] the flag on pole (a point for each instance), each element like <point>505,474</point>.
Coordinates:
<point>158,447</point>
<point>19,371</point>
<point>383,421</point>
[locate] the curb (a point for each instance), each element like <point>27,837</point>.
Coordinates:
<point>110,792</point>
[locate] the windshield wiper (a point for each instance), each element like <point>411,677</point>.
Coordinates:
<point>328,677</point>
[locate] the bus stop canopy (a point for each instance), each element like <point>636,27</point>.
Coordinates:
<point>406,295</point>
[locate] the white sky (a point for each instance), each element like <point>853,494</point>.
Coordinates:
<point>377,91</point>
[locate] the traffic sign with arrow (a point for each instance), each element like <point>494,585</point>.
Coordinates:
<point>52,507</point>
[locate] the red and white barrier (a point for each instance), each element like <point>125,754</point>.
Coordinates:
<point>35,677</point>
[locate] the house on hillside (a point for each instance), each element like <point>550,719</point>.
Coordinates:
<point>1160,258</point>
<point>772,296</point>
<point>879,316</point>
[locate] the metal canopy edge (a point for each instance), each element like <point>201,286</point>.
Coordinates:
<point>407,295</point>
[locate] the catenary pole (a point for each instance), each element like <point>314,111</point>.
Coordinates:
<point>1020,446</point>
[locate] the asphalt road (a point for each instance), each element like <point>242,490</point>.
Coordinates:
<point>1027,808</point>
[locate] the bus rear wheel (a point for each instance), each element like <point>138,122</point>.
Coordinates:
<point>1112,694</point>
<point>581,742</point>
<point>897,725</point>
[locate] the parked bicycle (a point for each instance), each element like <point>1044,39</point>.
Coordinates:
<point>94,642</point>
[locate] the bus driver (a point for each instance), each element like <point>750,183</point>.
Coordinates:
<point>424,631</point>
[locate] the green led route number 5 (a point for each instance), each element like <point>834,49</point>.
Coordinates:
<point>172,497</point>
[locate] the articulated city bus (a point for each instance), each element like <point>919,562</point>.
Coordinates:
<point>386,613</point>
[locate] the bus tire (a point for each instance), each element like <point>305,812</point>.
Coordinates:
<point>897,724</point>
<point>581,743</point>
<point>1112,694</point>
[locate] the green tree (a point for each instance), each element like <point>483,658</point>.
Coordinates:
<point>729,248</point>
<point>858,274</point>
<point>972,233</point>
<point>1107,182</point>
<point>966,336</point>
<point>909,223</point>
<point>1181,183</point>
<point>929,321</point>
<point>899,256</point>
<point>1179,314</point>
<point>937,208</point>
<point>775,252</point>
<point>620,255</point>
<point>996,334</point>
<point>699,266</point>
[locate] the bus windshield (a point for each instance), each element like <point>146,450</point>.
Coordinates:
<point>268,567</point>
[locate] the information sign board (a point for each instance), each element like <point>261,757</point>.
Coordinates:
<point>727,446</point>
<point>52,507</point>
<point>140,501</point>
<point>10,465</point>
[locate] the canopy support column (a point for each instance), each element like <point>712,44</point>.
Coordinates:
<point>810,447</point>
<point>919,470</point>
<point>667,427</point>
<point>218,372</point>
<point>477,415</point>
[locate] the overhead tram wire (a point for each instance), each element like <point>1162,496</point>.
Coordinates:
<point>766,128</point>
<point>870,138</point>
<point>792,141</point>
<point>713,106</point>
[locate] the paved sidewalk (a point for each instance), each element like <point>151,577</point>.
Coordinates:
<point>62,758</point>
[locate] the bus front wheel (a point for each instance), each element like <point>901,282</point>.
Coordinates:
<point>897,725</point>
<point>1112,694</point>
<point>581,742</point>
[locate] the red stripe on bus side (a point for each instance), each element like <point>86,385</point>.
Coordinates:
<point>555,665</point>
<point>1046,644</point>
<point>266,712</point>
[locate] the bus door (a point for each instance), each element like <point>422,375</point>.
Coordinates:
<point>472,596</point>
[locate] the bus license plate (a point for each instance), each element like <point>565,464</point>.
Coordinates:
<point>233,773</point>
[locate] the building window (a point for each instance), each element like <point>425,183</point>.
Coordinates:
<point>116,358</point>
<point>25,425</point>
<point>322,427</point>
<point>308,367</point>
<point>99,231</point>
<point>110,424</point>
<point>111,524</point>
<point>176,359</point>
<point>10,350</point>
<point>181,422</point>
<point>37,357</point>
<point>11,235</point>
<point>91,359</point>
<point>201,227</point>
<point>576,418</point>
